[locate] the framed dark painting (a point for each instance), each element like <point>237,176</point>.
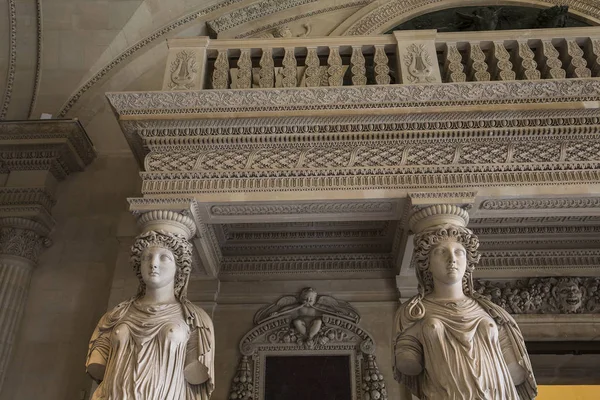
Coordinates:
<point>326,377</point>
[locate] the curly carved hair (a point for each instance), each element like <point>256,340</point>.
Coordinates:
<point>176,244</point>
<point>430,238</point>
<point>425,242</point>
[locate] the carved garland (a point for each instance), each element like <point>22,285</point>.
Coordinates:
<point>544,295</point>
<point>338,334</point>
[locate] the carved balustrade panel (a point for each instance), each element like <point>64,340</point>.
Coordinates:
<point>406,58</point>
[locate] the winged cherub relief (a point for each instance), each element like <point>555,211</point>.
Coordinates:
<point>306,310</point>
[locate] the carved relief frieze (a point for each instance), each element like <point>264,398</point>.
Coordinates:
<point>355,97</point>
<point>251,12</point>
<point>562,295</point>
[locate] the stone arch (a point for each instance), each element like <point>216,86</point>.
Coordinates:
<point>375,20</point>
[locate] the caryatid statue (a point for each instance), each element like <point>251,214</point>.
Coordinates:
<point>156,345</point>
<point>449,342</point>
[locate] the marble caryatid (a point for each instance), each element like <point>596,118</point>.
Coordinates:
<point>156,345</point>
<point>451,343</point>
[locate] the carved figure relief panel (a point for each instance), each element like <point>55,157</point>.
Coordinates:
<point>321,328</point>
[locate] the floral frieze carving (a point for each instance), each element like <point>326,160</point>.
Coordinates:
<point>544,295</point>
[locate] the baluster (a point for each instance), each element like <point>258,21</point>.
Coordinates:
<point>266,77</point>
<point>526,65</point>
<point>358,67</point>
<point>503,68</point>
<point>453,67</point>
<point>335,70</point>
<point>593,53</point>
<point>547,56</point>
<point>578,65</point>
<point>244,75</point>
<point>478,68</point>
<point>382,70</point>
<point>313,72</point>
<point>290,68</point>
<point>220,77</point>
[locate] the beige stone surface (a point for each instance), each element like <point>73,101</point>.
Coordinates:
<point>70,288</point>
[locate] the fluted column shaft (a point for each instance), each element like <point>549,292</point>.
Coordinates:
<point>15,277</point>
<point>20,246</point>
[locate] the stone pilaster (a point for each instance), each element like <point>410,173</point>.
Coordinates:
<point>21,243</point>
<point>34,157</point>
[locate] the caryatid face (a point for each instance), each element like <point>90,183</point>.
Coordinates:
<point>158,267</point>
<point>448,262</point>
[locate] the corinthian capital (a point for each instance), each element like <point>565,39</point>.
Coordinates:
<point>23,238</point>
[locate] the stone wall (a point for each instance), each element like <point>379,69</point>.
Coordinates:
<point>70,287</point>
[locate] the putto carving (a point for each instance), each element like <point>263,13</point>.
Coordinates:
<point>566,295</point>
<point>306,311</point>
<point>420,66</point>
<point>184,70</point>
<point>307,324</point>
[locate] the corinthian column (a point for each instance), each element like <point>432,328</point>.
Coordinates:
<point>21,242</point>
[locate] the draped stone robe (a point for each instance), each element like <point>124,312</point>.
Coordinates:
<point>461,347</point>
<point>145,348</point>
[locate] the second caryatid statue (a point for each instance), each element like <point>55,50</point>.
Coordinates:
<point>156,345</point>
<point>449,342</point>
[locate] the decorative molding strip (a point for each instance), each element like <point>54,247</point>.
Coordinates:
<point>546,203</point>
<point>371,207</point>
<point>378,178</point>
<point>422,125</point>
<point>576,220</point>
<point>566,295</point>
<point>38,62</point>
<point>397,10</point>
<point>296,264</point>
<point>538,259</point>
<point>192,17</point>
<point>537,231</point>
<point>267,28</point>
<point>12,196</point>
<point>384,97</point>
<point>251,12</point>
<point>12,57</point>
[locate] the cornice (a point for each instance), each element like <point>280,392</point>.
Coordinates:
<point>61,146</point>
<point>355,98</point>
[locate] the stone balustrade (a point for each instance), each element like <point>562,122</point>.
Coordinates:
<point>406,57</point>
